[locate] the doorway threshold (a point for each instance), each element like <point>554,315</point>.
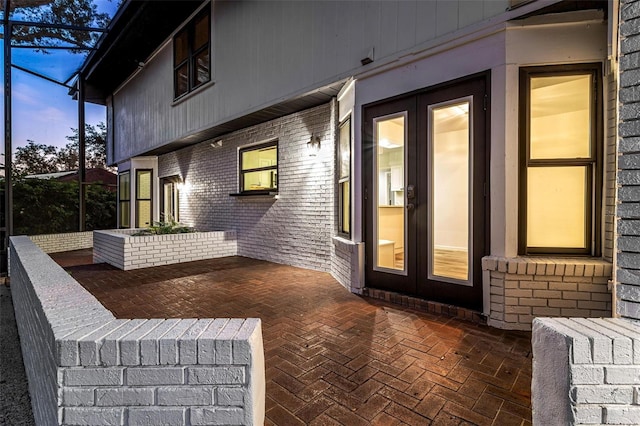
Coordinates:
<point>424,305</point>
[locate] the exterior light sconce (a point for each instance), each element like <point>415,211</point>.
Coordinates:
<point>313,145</point>
<point>216,144</point>
<point>367,59</point>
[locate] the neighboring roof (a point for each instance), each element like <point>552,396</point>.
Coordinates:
<point>51,175</point>
<point>91,175</point>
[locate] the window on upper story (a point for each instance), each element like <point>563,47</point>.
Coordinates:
<point>124,200</point>
<point>344,178</point>
<point>191,55</point>
<point>259,168</point>
<point>560,167</point>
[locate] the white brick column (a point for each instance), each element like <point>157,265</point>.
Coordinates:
<point>585,371</point>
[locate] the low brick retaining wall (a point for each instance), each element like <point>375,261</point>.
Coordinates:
<point>87,368</point>
<point>585,371</point>
<point>55,243</point>
<point>124,251</point>
<point>522,288</point>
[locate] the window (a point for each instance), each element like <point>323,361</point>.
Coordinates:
<point>344,178</point>
<point>560,172</point>
<point>259,168</point>
<point>124,200</point>
<point>170,199</point>
<point>191,56</point>
<point>143,198</point>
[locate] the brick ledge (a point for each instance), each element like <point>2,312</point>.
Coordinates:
<point>559,266</point>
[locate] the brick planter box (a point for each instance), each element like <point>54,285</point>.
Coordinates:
<point>124,251</point>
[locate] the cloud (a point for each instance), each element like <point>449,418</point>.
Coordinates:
<point>25,94</point>
<point>51,114</point>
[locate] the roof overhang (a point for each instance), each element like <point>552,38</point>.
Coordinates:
<point>135,32</point>
<point>569,6</point>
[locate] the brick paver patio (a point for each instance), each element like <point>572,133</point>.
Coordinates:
<point>334,358</point>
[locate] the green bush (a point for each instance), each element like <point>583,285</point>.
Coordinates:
<point>168,227</point>
<point>48,207</point>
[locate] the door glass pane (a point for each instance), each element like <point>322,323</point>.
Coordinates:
<point>450,191</point>
<point>556,212</point>
<point>390,137</point>
<point>168,213</point>
<point>561,117</point>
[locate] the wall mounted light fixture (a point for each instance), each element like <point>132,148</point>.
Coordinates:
<point>216,144</point>
<point>313,145</point>
<point>369,58</point>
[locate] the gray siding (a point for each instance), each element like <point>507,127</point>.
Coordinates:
<point>266,51</point>
<point>628,213</point>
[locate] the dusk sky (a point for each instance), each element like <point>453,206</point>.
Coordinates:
<point>43,111</point>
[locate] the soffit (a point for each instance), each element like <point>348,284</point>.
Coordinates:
<point>305,101</point>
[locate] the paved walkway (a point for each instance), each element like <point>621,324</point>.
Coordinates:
<point>334,358</point>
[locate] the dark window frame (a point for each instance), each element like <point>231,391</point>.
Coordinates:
<point>122,201</point>
<point>192,54</point>
<point>344,179</point>
<point>242,172</point>
<point>593,164</point>
<point>138,199</point>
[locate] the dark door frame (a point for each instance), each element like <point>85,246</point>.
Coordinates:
<point>481,202</point>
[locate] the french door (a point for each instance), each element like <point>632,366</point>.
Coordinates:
<point>425,192</point>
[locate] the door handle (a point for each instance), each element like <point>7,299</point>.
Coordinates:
<point>411,192</point>
<point>410,206</point>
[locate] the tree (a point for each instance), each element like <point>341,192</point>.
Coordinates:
<point>95,151</point>
<point>35,158</point>
<point>76,13</point>
<point>43,206</point>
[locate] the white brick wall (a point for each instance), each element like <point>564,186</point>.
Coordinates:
<point>55,243</point>
<point>628,173</point>
<point>122,250</point>
<point>346,265</point>
<point>522,288</point>
<point>294,229</point>
<point>585,371</point>
<point>87,368</point>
